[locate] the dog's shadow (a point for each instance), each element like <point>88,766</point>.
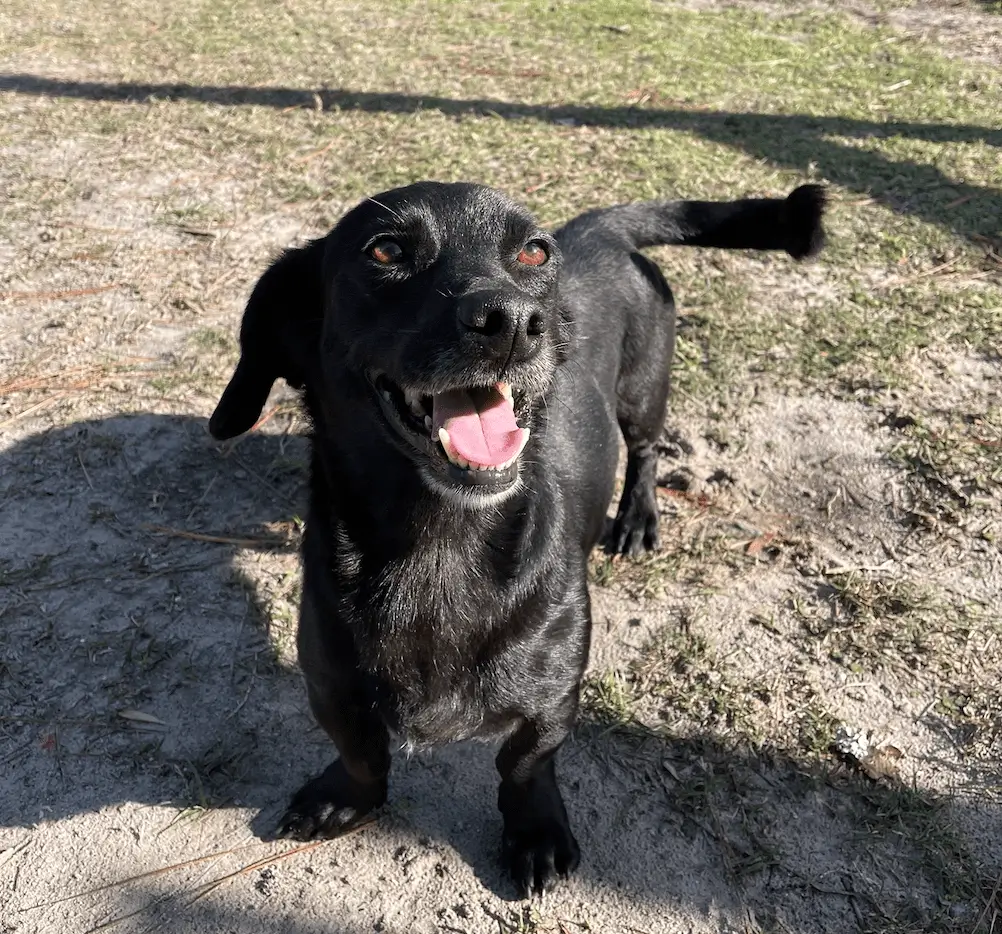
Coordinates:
<point>146,623</point>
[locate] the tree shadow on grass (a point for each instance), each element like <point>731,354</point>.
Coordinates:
<point>102,615</point>
<point>793,141</point>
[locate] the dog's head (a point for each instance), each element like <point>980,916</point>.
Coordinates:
<point>435,308</point>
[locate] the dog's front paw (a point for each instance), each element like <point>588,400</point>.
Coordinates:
<point>330,804</point>
<point>537,854</point>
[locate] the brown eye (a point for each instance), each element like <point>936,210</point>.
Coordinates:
<point>533,254</point>
<point>386,251</point>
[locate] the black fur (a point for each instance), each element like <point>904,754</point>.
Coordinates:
<point>438,605</point>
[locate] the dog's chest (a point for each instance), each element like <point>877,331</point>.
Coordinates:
<point>425,641</point>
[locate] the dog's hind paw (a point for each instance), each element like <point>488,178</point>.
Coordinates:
<point>632,536</point>
<point>329,804</point>
<point>537,856</point>
<point>636,527</point>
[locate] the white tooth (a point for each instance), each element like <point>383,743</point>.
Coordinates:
<point>450,451</point>
<point>505,390</point>
<point>427,422</point>
<point>387,396</point>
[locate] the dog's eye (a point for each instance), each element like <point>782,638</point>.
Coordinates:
<point>533,254</point>
<point>386,251</point>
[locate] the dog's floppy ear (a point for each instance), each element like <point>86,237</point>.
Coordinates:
<point>279,336</point>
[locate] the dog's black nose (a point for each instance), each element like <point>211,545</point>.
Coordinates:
<point>506,327</point>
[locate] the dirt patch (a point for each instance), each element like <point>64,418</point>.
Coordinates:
<point>958,29</point>
<point>964,29</point>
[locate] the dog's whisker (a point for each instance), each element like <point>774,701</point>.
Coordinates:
<point>386,207</point>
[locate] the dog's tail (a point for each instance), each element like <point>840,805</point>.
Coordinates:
<point>792,224</point>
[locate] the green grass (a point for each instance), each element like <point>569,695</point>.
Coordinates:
<point>681,686</point>
<point>548,103</point>
<point>976,712</point>
<point>865,620</point>
<point>955,468</point>
<point>213,340</point>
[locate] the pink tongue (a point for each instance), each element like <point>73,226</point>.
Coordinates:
<point>481,425</point>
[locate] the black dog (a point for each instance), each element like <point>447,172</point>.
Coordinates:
<point>465,372</point>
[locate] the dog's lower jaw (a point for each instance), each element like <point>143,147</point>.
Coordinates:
<point>469,497</point>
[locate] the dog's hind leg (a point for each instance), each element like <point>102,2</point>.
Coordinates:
<point>641,403</point>
<point>636,527</point>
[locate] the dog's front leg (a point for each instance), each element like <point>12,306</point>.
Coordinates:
<point>538,844</point>
<point>351,786</point>
<point>356,782</point>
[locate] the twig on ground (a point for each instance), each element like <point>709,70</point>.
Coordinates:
<point>996,889</point>
<point>83,370</point>
<point>211,886</point>
<point>10,853</point>
<point>142,575</point>
<point>315,153</point>
<point>59,293</point>
<point>254,475</point>
<point>150,874</point>
<point>84,469</point>
<point>228,446</point>
<point>214,539</point>
<point>268,860</point>
<point>34,408</point>
<point>907,280</point>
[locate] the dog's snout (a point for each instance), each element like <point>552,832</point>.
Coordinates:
<point>507,328</point>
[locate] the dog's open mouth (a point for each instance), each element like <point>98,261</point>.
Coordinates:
<point>472,432</point>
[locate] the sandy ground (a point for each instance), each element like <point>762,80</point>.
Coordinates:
<point>153,723</point>
<point>150,718</point>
